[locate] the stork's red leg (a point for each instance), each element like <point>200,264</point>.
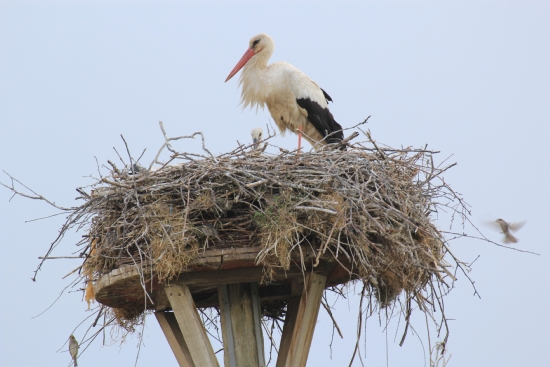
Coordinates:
<point>299,139</point>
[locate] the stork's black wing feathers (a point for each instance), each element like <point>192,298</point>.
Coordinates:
<point>327,97</point>
<point>322,119</point>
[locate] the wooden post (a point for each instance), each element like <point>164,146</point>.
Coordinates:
<point>192,329</point>
<point>257,310</point>
<point>241,328</point>
<point>171,329</point>
<point>288,329</point>
<point>300,323</point>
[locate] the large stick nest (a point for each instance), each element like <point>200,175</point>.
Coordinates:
<point>371,205</point>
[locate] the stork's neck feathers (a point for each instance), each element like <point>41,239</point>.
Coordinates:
<point>254,79</point>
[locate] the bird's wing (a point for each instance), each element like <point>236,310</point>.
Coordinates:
<point>493,224</point>
<point>73,348</point>
<point>327,97</point>
<point>516,226</point>
<point>313,100</point>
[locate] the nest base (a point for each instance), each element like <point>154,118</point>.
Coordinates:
<point>124,287</point>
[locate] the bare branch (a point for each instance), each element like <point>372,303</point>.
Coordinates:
<point>35,196</point>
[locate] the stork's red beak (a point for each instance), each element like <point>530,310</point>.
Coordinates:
<point>247,55</point>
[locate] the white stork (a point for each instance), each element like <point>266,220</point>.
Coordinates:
<point>295,102</point>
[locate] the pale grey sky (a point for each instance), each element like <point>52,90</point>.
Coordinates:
<point>469,78</point>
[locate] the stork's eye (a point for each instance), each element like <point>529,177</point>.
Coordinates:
<point>255,43</point>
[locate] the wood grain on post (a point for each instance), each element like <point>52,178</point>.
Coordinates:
<point>171,329</point>
<point>300,323</point>
<point>192,329</point>
<point>240,325</point>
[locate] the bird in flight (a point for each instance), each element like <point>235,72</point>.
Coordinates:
<point>295,102</point>
<point>506,227</point>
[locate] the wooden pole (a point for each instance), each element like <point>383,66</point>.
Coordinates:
<point>171,329</point>
<point>300,323</point>
<point>241,328</point>
<point>257,310</point>
<point>192,329</point>
<point>230,360</point>
<point>288,329</point>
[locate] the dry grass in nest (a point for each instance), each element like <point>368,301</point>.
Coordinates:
<point>127,319</point>
<point>173,242</point>
<point>277,229</point>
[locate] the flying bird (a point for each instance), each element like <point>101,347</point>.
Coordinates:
<point>506,227</point>
<point>73,348</point>
<point>295,102</point>
<point>257,133</point>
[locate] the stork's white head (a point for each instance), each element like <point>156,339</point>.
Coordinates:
<point>257,137</point>
<point>260,49</point>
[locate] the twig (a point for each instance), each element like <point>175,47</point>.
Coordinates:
<point>35,197</point>
<point>332,318</point>
<point>359,324</point>
<point>167,141</point>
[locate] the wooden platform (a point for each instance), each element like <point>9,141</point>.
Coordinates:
<point>122,288</point>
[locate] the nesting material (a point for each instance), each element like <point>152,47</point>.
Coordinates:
<point>369,204</point>
<point>127,319</point>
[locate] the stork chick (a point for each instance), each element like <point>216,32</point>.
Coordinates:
<point>257,133</point>
<point>294,101</point>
